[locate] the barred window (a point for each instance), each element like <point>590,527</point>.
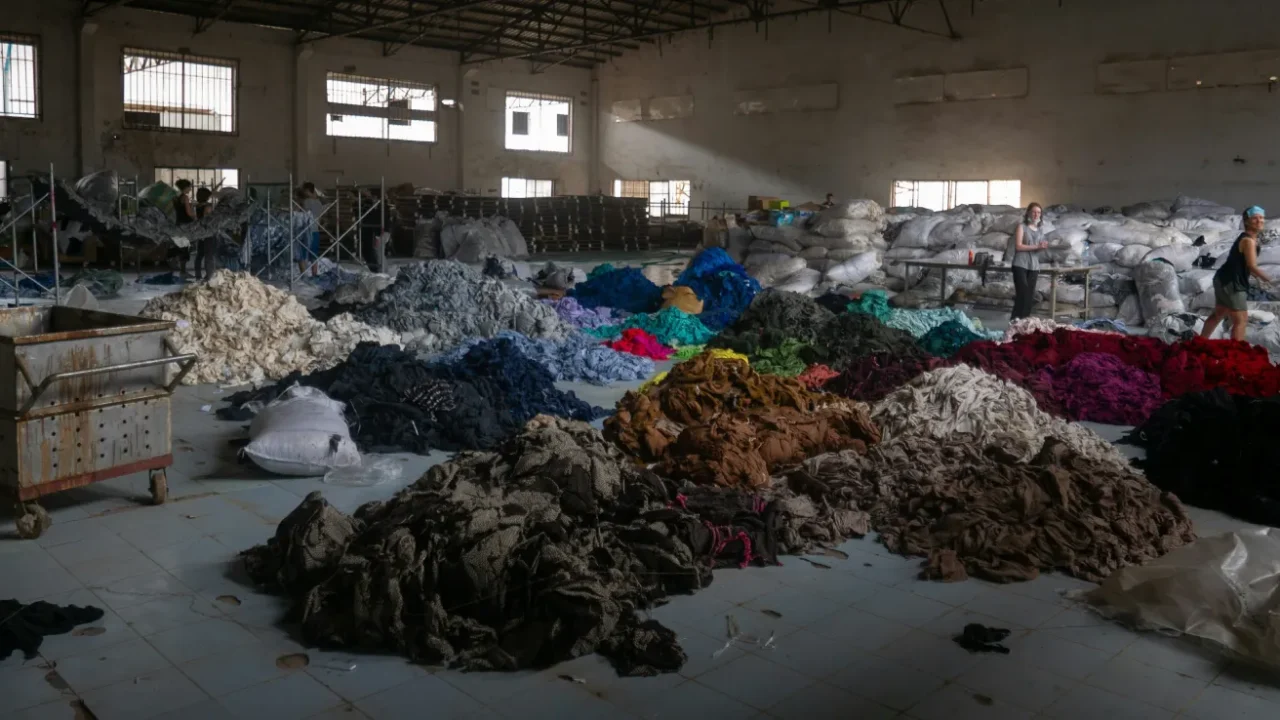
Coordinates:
<point>378,108</point>
<point>666,197</point>
<point>172,91</point>
<point>212,178</point>
<point>942,195</point>
<point>526,188</point>
<point>539,122</point>
<point>19,76</point>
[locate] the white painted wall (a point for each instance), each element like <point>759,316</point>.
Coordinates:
<point>281,108</point>
<point>1066,142</point>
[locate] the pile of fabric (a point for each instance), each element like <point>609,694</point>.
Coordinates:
<point>1097,387</point>
<point>874,376</point>
<point>641,343</point>
<point>847,338</point>
<point>397,402</point>
<point>470,240</point>
<point>572,312</point>
<point>437,304</point>
<point>978,509</point>
<point>723,285</point>
<point>577,358</point>
<point>773,317</point>
<point>622,289</point>
<point>946,339</point>
<point>837,246</point>
<point>245,331</point>
<point>715,421</point>
<point>482,562</point>
<point>1218,451</point>
<point>671,326</point>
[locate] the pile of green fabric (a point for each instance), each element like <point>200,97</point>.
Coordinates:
<point>785,359</point>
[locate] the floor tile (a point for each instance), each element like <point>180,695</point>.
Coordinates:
<point>64,709</point>
<point>103,573</point>
<point>492,687</point>
<point>207,710</point>
<point>1086,628</point>
<point>293,697</point>
<point>954,594</point>
<point>26,687</point>
<point>795,606</point>
<point>811,653</point>
<point>821,701</point>
<point>190,642</point>
<point>144,696</point>
<point>1009,680</point>
<point>1013,610</point>
<point>409,698</point>
<point>864,631</point>
<point>887,570</point>
<point>1153,685</point>
<point>167,613</point>
<point>1219,703</point>
<point>371,674</point>
<point>755,681</point>
<point>237,668</point>
<point>902,606</point>
<point>952,624</point>
<point>1250,680</point>
<point>124,661</point>
<point>886,682</point>
<point>930,653</point>
<point>33,574</point>
<point>954,702</point>
<point>100,545</point>
<point>1050,587</point>
<point>197,551</point>
<point>114,630</point>
<point>1086,701</point>
<point>1180,655</point>
<point>63,533</point>
<point>703,652</point>
<point>141,589</point>
<point>690,699</point>
<point>741,586</point>
<point>345,711</point>
<point>555,701</point>
<point>1056,655</point>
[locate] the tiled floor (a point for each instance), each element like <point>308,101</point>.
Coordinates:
<point>186,637</point>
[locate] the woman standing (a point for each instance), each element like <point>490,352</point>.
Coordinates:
<point>1027,244</point>
<point>1231,282</point>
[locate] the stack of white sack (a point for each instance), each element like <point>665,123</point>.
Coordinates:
<point>471,241</point>
<point>1189,234</point>
<point>840,246</point>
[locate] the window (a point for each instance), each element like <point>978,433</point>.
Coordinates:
<point>525,188</point>
<point>171,91</point>
<point>666,197</point>
<point>380,109</point>
<point>212,178</point>
<point>946,194</point>
<point>19,95</point>
<point>538,122</point>
<point>4,179</point>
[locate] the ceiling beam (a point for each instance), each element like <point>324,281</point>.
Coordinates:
<point>438,10</point>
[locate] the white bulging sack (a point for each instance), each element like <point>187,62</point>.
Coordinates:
<point>301,433</point>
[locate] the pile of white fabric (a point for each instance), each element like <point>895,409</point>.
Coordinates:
<point>1179,232</point>
<point>471,241</point>
<point>839,246</point>
<point>245,331</point>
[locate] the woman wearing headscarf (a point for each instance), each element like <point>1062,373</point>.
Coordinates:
<point>1025,247</point>
<point>1231,281</point>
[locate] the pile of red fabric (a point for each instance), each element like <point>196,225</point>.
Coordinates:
<point>872,377</point>
<point>1097,387</point>
<point>815,376</point>
<point>642,343</point>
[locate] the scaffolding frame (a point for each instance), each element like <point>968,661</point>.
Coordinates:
<point>11,227</point>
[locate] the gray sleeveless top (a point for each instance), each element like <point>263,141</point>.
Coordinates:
<point>1026,260</point>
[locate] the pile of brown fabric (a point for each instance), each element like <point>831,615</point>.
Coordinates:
<point>988,513</point>
<point>540,552</point>
<point>679,296</point>
<point>716,421</point>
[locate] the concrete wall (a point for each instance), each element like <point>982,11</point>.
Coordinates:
<point>281,107</point>
<point>1064,140</point>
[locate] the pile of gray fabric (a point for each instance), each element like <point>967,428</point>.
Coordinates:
<point>540,552</point>
<point>437,304</point>
<point>558,277</point>
<point>471,241</point>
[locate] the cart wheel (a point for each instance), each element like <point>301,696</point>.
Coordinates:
<point>32,521</point>
<point>159,487</point>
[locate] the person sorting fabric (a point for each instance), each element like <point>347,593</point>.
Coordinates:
<point>1231,281</point>
<point>310,198</point>
<point>183,214</point>
<point>206,247</point>
<point>1025,248</point>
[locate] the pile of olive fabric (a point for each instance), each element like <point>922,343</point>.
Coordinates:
<point>539,552</point>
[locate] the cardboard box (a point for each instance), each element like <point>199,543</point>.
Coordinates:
<point>760,202</point>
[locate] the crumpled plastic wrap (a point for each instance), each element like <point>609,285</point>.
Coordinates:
<point>1223,589</point>
<point>245,331</point>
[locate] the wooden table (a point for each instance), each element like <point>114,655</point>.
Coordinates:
<point>1053,271</point>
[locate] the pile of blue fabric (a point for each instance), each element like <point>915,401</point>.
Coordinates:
<point>625,289</point>
<point>27,287</point>
<point>723,285</point>
<point>578,358</point>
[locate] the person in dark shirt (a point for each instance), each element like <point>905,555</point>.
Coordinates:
<point>1231,281</point>
<point>371,230</point>
<point>206,247</point>
<point>183,214</point>
<point>830,201</point>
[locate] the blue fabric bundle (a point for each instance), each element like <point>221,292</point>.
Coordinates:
<point>626,289</point>
<point>1104,324</point>
<point>723,286</point>
<point>580,357</point>
<point>946,339</point>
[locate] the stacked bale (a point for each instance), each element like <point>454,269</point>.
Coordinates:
<point>841,245</point>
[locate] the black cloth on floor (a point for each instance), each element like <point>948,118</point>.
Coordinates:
<point>491,395</point>
<point>1217,451</point>
<point>980,638</point>
<point>23,627</point>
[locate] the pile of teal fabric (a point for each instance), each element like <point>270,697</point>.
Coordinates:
<point>671,326</point>
<point>946,339</point>
<point>916,322</point>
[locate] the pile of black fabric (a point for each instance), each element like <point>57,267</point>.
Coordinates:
<point>397,402</point>
<point>773,317</point>
<point>851,337</point>
<point>834,301</point>
<point>1217,451</point>
<point>540,552</point>
<point>24,627</point>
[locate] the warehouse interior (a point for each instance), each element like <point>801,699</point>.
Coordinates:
<point>756,359</point>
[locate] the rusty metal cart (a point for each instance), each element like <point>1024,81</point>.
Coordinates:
<point>86,397</point>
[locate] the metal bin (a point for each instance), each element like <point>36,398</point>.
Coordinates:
<point>84,396</point>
